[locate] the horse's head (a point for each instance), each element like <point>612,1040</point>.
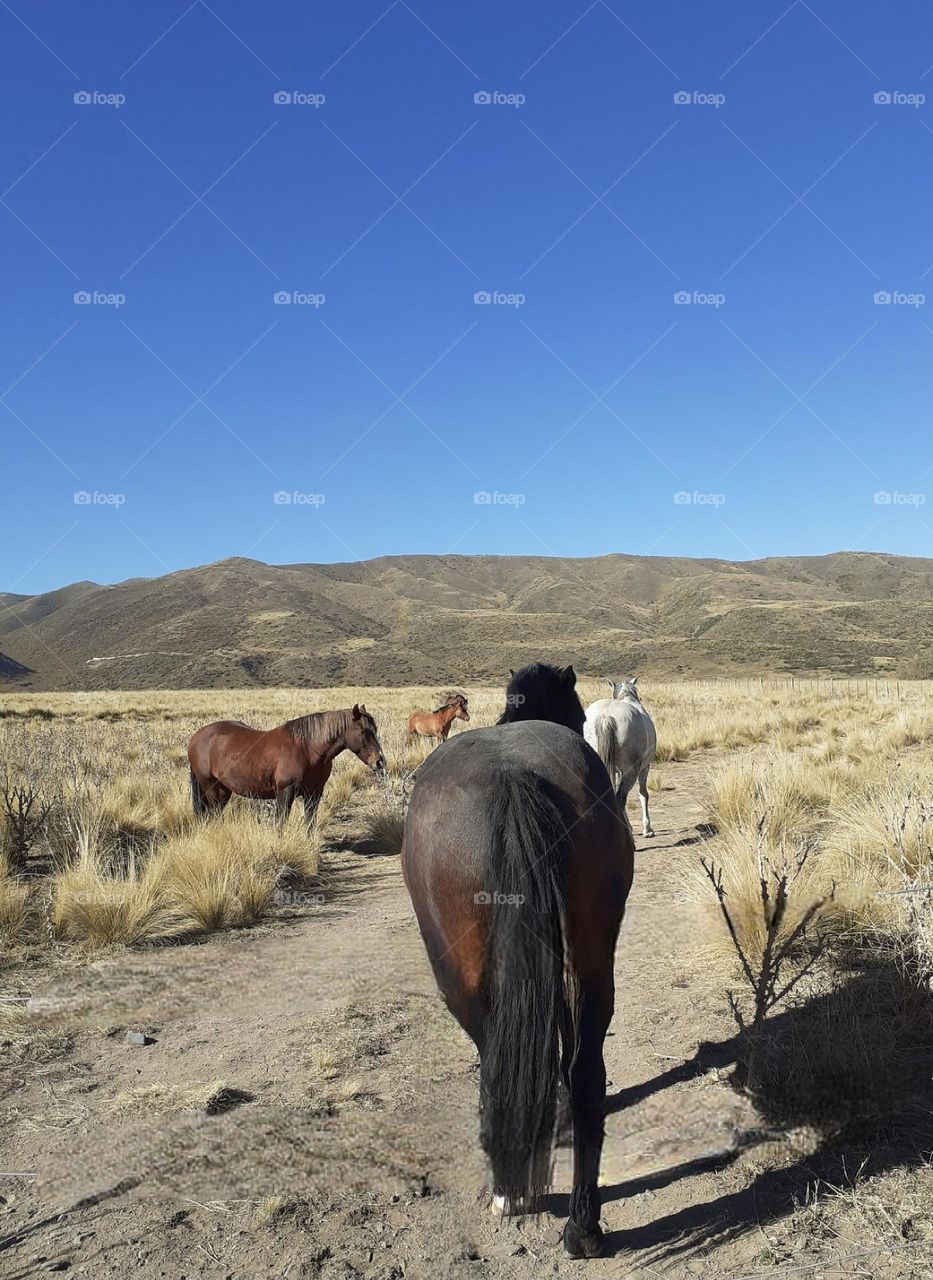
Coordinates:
<point>624,688</point>
<point>459,703</point>
<point>542,692</point>
<point>362,738</point>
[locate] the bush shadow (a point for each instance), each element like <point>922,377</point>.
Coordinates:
<point>850,1065</point>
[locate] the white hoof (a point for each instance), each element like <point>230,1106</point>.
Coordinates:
<point>502,1208</point>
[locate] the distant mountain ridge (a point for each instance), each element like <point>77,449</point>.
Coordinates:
<point>454,619</point>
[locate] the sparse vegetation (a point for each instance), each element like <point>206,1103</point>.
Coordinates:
<point>111,857</point>
<point>99,845</point>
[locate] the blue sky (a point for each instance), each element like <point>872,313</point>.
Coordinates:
<point>619,156</point>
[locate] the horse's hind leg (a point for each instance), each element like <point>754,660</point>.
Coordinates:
<point>646,826</point>
<point>311,803</point>
<point>284,799</point>
<point>215,796</point>
<point>583,1237</point>
<point>625,786</point>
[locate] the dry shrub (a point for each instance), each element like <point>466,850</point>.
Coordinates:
<point>737,853</point>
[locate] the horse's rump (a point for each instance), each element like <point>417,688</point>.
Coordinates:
<point>622,733</point>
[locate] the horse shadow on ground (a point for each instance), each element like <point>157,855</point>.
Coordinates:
<point>852,1066</point>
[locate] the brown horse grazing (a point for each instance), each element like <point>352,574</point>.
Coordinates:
<point>278,764</point>
<point>436,724</point>
<point>519,865</point>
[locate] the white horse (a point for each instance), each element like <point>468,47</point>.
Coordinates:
<point>622,733</point>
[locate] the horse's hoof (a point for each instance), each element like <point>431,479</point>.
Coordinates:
<point>502,1207</point>
<point>648,833</point>
<point>583,1244</point>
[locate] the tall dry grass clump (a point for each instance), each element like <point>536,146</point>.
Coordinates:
<point>214,875</point>
<point>13,907</point>
<point>94,903</point>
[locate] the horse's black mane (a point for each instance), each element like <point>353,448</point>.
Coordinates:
<point>543,692</point>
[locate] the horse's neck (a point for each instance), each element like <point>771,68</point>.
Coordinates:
<point>447,714</point>
<point>326,752</point>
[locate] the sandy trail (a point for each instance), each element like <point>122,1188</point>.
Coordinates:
<point>311,1059</point>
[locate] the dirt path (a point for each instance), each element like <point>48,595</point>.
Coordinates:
<point>312,1061</point>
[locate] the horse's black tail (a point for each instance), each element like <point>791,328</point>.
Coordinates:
<point>198,799</point>
<point>527,1007</point>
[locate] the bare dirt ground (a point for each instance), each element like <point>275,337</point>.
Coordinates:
<point>307,1107</point>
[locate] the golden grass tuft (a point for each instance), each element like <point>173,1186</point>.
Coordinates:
<point>383,832</point>
<point>14,897</point>
<point>93,905</point>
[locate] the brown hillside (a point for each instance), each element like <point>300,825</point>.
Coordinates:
<point>441,619</point>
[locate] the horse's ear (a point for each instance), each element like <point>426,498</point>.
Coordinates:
<point>569,676</point>
<point>357,713</point>
<point>511,673</point>
<point>612,685</point>
<point>634,680</point>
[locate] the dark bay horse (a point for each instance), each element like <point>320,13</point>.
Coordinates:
<point>436,724</point>
<point>519,865</point>
<point>282,764</point>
